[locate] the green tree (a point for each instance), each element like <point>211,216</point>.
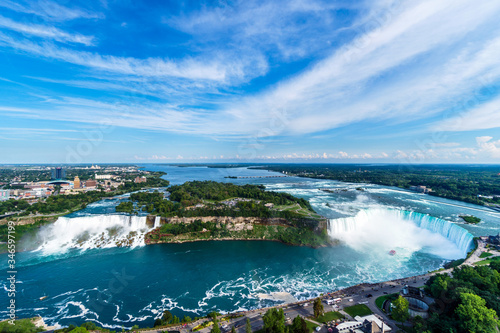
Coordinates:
<point>248,326</point>
<point>440,285</point>
<point>474,315</point>
<point>20,326</point>
<point>90,326</point>
<point>495,265</point>
<point>233,330</point>
<point>274,321</point>
<point>213,315</point>
<point>299,325</point>
<point>166,317</point>
<point>215,328</point>
<point>79,330</point>
<point>400,310</point>
<point>186,319</point>
<point>318,308</point>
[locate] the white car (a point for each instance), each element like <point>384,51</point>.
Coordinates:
<point>318,329</point>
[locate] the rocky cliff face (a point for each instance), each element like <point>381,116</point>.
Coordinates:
<point>234,223</point>
<point>238,223</point>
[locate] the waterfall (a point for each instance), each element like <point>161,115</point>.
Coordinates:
<point>389,229</point>
<point>95,231</point>
<point>458,235</point>
<point>157,222</point>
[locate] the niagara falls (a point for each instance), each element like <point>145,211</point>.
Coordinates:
<point>91,249</point>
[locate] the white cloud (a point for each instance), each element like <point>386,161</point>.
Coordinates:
<point>432,39</point>
<point>150,67</point>
<point>45,32</point>
<point>343,154</point>
<point>274,27</point>
<point>49,10</point>
<point>446,144</point>
<point>492,148</point>
<point>413,62</point>
<point>483,116</point>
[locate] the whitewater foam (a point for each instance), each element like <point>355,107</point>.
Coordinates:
<point>382,230</point>
<point>89,232</point>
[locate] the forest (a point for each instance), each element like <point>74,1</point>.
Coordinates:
<point>206,198</point>
<point>458,182</point>
<point>467,302</point>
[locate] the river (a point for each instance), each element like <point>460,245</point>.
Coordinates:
<point>121,287</point>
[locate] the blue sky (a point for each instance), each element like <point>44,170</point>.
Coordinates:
<point>376,81</point>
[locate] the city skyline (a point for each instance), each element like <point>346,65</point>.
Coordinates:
<point>265,81</point>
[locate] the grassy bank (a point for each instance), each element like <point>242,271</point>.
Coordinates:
<point>380,300</point>
<point>330,316</point>
<point>358,310</point>
<point>487,261</point>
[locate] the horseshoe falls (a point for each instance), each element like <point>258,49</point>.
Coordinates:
<point>383,230</point>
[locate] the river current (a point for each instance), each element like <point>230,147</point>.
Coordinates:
<point>121,287</point>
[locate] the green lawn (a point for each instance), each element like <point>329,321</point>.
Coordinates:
<point>380,300</point>
<point>311,326</point>
<point>487,261</point>
<point>485,255</point>
<point>329,316</point>
<point>358,310</point>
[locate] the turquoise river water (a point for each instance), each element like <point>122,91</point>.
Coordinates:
<point>77,265</point>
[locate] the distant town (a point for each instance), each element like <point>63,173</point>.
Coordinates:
<point>106,179</point>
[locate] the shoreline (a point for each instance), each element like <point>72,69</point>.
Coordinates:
<point>354,291</point>
<point>225,239</point>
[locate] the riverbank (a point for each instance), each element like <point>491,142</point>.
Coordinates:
<point>440,181</point>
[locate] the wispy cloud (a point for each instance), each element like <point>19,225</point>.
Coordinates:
<point>277,28</point>
<point>483,116</point>
<point>222,70</point>
<point>49,10</point>
<point>44,31</point>
<point>430,40</point>
<point>266,69</point>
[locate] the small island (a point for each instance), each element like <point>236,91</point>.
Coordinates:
<point>470,219</point>
<point>208,210</point>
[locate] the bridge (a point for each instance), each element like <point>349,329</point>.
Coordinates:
<point>241,177</point>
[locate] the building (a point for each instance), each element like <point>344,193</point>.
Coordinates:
<point>102,177</point>
<point>140,179</point>
<point>74,191</point>
<point>76,182</point>
<point>366,324</point>
<point>4,195</point>
<point>90,183</point>
<point>420,189</point>
<point>58,173</point>
<point>412,291</point>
